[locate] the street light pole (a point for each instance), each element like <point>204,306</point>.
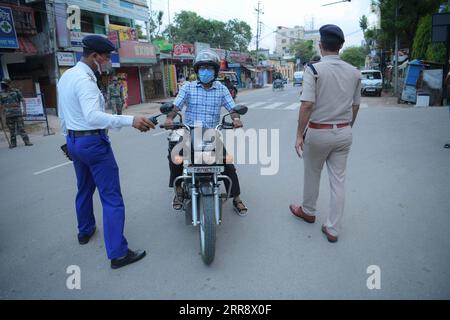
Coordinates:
<point>396,52</point>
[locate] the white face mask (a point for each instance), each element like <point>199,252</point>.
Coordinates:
<point>98,65</point>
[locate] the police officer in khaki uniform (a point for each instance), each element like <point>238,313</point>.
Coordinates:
<point>10,99</point>
<point>330,104</point>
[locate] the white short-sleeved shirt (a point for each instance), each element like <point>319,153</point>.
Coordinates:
<point>334,91</point>
<point>81,103</point>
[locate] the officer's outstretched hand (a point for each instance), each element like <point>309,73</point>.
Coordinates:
<point>142,123</point>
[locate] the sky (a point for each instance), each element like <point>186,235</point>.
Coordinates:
<point>286,13</point>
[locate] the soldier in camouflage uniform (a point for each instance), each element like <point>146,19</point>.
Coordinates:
<point>10,99</point>
<point>115,96</point>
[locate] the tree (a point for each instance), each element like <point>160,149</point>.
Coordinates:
<point>155,23</point>
<point>363,23</point>
<point>356,56</point>
<point>408,15</point>
<point>303,50</point>
<point>190,27</point>
<point>422,47</point>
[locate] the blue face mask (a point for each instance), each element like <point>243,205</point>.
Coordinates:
<point>205,75</point>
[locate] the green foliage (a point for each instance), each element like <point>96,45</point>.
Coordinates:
<point>422,47</point>
<point>190,27</point>
<point>363,23</point>
<point>407,20</point>
<point>303,49</point>
<point>356,56</point>
<point>155,23</point>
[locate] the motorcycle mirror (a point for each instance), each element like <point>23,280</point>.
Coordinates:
<point>166,108</point>
<point>240,109</point>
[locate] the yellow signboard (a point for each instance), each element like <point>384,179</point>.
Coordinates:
<point>125,33</point>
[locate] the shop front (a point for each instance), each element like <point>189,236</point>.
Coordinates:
<point>178,66</point>
<point>139,72</point>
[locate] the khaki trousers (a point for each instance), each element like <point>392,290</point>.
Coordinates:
<point>330,146</point>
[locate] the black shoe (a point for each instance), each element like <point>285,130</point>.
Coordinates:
<point>12,146</point>
<point>85,239</point>
<point>28,144</point>
<point>131,257</point>
<point>447,145</point>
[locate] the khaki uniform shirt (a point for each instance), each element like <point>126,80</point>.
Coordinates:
<point>334,91</point>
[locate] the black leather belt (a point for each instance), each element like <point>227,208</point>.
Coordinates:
<point>83,133</point>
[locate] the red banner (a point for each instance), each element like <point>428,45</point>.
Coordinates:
<point>183,49</point>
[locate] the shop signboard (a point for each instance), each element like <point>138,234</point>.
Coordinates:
<point>238,57</point>
<point>8,36</point>
<point>125,33</point>
<point>65,59</point>
<point>183,50</point>
<point>137,52</point>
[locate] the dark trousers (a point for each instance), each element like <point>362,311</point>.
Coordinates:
<point>230,171</point>
<point>96,167</point>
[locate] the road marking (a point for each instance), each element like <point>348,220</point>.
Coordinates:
<point>54,167</point>
<point>364,106</point>
<point>293,106</point>
<point>159,133</point>
<point>254,105</point>
<point>274,105</point>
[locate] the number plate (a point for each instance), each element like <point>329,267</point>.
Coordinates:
<point>205,169</point>
<point>370,89</point>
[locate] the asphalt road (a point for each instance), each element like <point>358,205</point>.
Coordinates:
<point>397,217</point>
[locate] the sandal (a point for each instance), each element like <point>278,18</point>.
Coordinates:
<point>241,210</point>
<point>177,202</point>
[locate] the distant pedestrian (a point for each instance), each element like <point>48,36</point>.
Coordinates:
<point>10,99</point>
<point>329,109</point>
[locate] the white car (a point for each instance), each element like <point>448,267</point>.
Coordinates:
<point>371,82</point>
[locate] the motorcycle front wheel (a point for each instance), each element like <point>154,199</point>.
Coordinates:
<point>207,228</point>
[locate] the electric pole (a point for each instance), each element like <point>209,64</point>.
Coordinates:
<point>258,26</point>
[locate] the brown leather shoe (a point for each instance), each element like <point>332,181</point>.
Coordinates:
<point>298,212</point>
<point>330,237</point>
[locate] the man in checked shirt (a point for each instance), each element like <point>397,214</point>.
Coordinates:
<point>204,99</point>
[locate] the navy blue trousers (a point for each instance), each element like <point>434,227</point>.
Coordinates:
<point>96,167</point>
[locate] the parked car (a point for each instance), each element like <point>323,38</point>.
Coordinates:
<point>371,82</point>
<point>298,78</point>
<point>229,79</point>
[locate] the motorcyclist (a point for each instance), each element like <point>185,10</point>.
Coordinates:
<point>204,99</point>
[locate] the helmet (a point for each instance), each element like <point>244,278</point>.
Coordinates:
<point>209,58</point>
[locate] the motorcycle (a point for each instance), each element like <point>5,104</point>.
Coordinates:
<point>278,85</point>
<point>202,175</point>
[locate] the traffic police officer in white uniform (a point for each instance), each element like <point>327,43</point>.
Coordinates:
<point>330,104</point>
<point>84,122</point>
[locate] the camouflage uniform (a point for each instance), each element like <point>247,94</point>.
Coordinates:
<point>115,97</point>
<point>10,100</point>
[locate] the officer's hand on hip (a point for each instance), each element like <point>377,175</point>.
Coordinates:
<point>142,123</point>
